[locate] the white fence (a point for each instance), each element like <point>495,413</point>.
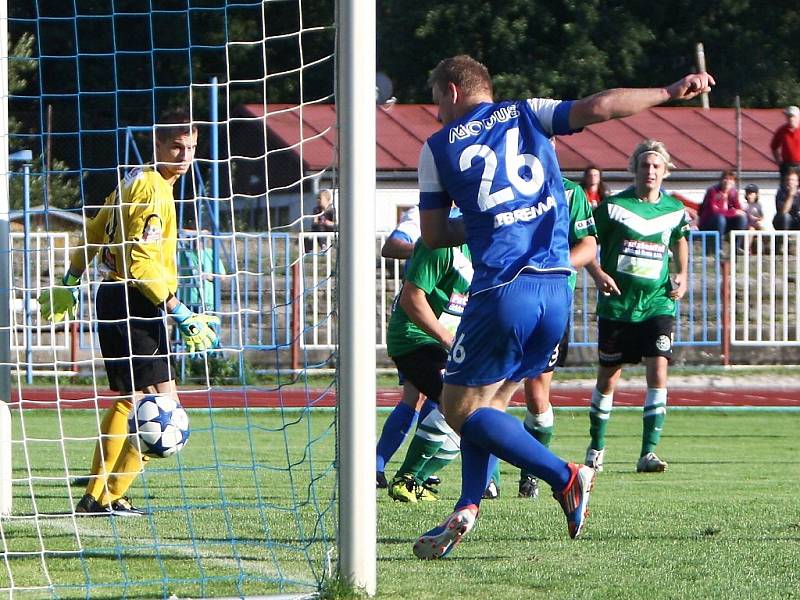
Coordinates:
<point>765,288</point>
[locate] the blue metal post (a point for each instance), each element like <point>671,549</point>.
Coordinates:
<point>214,101</point>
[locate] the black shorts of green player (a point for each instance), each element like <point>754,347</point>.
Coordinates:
<point>559,356</point>
<point>423,368</point>
<point>621,342</point>
<point>133,338</point>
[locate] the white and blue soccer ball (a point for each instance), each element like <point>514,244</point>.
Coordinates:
<point>158,427</point>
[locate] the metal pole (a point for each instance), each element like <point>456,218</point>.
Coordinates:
<point>356,393</point>
<point>701,68</point>
<point>5,256</point>
<point>215,190</point>
<point>26,272</point>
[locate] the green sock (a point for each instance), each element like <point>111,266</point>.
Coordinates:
<point>496,474</point>
<point>655,412</point>
<point>541,427</point>
<point>436,464</point>
<point>599,414</point>
<point>420,452</point>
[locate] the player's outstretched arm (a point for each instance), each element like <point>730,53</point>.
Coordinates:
<point>624,102</point>
<point>60,301</point>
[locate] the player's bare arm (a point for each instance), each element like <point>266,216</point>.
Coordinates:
<point>397,249</point>
<point>415,305</point>
<point>624,102</point>
<point>439,230</point>
<point>680,251</point>
<point>583,252</point>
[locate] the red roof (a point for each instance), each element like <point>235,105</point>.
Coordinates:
<point>699,140</point>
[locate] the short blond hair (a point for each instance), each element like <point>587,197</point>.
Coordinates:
<point>471,76</point>
<point>650,147</point>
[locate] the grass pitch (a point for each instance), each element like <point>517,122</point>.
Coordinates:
<point>248,509</point>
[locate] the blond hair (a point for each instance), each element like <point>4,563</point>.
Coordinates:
<point>471,76</point>
<point>650,147</point>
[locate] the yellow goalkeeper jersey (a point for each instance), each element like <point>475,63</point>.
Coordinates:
<point>136,234</point>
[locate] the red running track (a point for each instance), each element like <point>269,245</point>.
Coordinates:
<point>298,397</point>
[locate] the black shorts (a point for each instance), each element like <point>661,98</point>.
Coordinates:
<point>133,338</point>
<point>559,357</point>
<point>423,367</point>
<point>620,342</point>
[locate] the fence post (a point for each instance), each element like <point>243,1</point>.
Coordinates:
<point>726,313</point>
<point>296,301</point>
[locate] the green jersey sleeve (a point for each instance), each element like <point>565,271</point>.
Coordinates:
<point>427,267</point>
<point>581,220</point>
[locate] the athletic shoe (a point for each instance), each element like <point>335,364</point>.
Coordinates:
<point>427,493</point>
<point>650,463</point>
<point>433,480</point>
<point>403,488</point>
<point>89,507</point>
<point>528,487</point>
<point>440,541</point>
<point>380,480</point>
<point>122,507</point>
<point>574,499</point>
<point>491,492</point>
<point>595,458</point>
<point>82,480</point>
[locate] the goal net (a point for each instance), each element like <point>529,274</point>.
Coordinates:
<point>249,506</point>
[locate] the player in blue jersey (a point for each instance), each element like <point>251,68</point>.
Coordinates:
<point>495,160</point>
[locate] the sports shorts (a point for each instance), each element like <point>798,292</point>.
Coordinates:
<point>509,332</point>
<point>621,342</point>
<point>133,338</point>
<point>559,356</point>
<point>423,368</point>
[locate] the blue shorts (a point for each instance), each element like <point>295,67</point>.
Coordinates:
<point>510,332</point>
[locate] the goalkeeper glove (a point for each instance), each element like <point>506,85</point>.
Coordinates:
<point>59,302</point>
<point>195,329</point>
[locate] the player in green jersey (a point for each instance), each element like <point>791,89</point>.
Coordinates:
<point>420,334</point>
<point>637,229</point>
<point>539,419</point>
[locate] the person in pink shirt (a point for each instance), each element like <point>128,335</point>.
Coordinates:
<point>721,210</point>
<point>785,144</point>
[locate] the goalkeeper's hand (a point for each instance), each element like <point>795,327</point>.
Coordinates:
<point>195,329</point>
<point>60,301</point>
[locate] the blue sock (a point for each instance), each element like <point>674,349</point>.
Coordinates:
<point>504,436</point>
<point>476,470</point>
<point>427,407</point>
<point>400,422</point>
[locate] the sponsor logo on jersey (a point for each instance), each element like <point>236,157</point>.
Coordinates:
<point>152,229</point>
<point>473,128</point>
<point>584,224</point>
<point>663,343</point>
<point>529,213</point>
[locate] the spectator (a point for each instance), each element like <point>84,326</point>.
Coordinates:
<point>325,212</point>
<point>785,144</point>
<point>755,213</point>
<point>594,186</point>
<point>720,210</point>
<point>787,202</point>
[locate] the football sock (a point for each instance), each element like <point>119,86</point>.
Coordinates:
<point>446,454</point>
<point>130,463</point>
<point>540,426</point>
<point>426,408</point>
<point>599,413</point>
<point>655,411</point>
<point>401,420</point>
<point>494,475</point>
<point>431,435</point>
<point>107,450</point>
<point>487,432</point>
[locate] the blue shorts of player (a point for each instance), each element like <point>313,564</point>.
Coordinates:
<point>509,332</point>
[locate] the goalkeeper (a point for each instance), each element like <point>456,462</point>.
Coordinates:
<point>135,232</point>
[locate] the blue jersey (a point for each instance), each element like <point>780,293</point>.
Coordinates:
<point>498,165</point>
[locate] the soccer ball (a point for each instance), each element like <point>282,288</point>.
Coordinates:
<point>158,427</point>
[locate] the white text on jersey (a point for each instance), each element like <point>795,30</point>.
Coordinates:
<point>524,214</point>
<point>466,130</point>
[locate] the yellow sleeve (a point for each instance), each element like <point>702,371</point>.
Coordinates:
<point>94,236</point>
<point>143,235</point>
